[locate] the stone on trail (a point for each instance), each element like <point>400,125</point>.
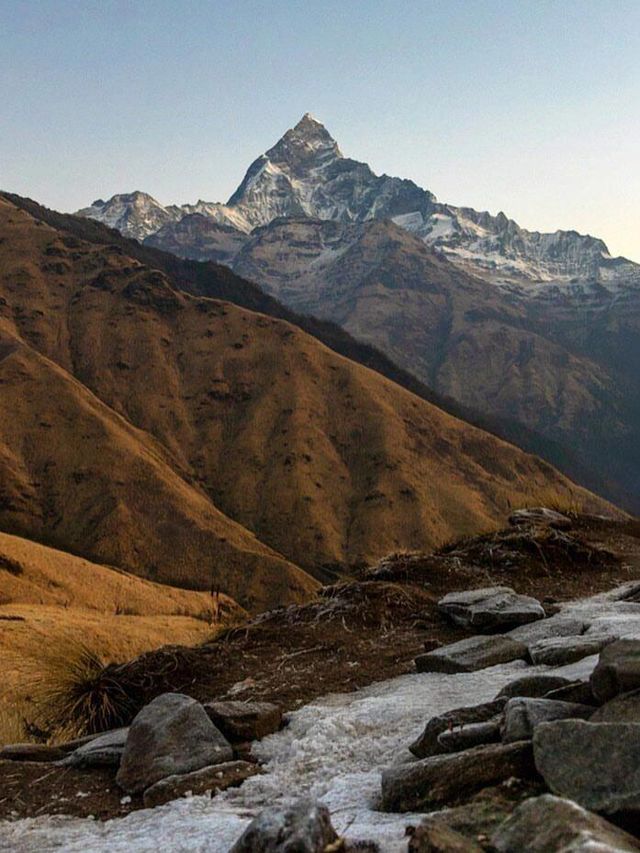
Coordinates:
<point>558,651</point>
<point>441,779</point>
<point>434,836</point>
<point>466,737</point>
<point>532,685</point>
<point>576,691</point>
<point>549,824</point>
<point>216,778</point>
<point>242,721</point>
<point>595,764</point>
<point>625,708</point>
<point>522,715</point>
<point>427,744</point>
<point>560,625</point>
<point>617,670</point>
<point>490,609</point>
<point>471,654</point>
<point>31,752</point>
<point>102,751</point>
<point>304,827</point>
<point>172,735</point>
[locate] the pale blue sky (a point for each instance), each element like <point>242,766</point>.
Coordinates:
<point>528,107</point>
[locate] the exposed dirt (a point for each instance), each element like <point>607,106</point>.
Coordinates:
<point>352,635</point>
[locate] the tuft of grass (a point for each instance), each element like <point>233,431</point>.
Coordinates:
<point>75,692</point>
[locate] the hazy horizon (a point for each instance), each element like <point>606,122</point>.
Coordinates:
<point>492,105</point>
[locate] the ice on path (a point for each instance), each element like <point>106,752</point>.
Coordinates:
<point>334,749</point>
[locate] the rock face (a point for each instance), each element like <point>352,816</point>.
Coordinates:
<point>428,743</point>
<point>471,654</point>
<point>303,828</point>
<point>219,777</point>
<point>523,715</point>
<point>103,751</point>
<point>548,824</point>
<point>618,670</point>
<point>243,721</point>
<point>491,609</point>
<point>595,764</point>
<point>172,735</point>
<point>557,651</point>
<point>437,781</point>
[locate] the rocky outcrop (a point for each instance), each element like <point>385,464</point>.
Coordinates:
<point>490,609</point>
<point>170,736</point>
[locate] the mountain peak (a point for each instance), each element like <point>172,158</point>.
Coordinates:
<point>308,139</point>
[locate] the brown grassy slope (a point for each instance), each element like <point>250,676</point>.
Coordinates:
<point>322,459</point>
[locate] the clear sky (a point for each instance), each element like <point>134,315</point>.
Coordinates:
<point>527,106</point>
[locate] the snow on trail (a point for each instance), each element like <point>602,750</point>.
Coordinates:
<point>334,748</point>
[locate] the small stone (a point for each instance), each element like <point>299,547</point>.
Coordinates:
<point>216,778</point>
<point>549,824</point>
<point>558,651</point>
<point>102,751</point>
<point>304,827</point>
<point>427,744</point>
<point>244,721</point>
<point>532,685</point>
<point>466,737</point>
<point>471,654</point>
<point>522,715</point>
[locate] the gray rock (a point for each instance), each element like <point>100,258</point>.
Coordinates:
<point>490,609</point>
<point>540,515</point>
<point>102,751</point>
<point>625,708</point>
<point>31,752</point>
<point>595,764</point>
<point>558,651</point>
<point>434,836</point>
<point>304,827</point>
<point>216,778</point>
<point>172,735</point>
<point>242,721</point>
<point>532,685</point>
<point>441,779</point>
<point>471,654</point>
<point>427,744</point>
<point>617,670</point>
<point>576,691</point>
<point>549,824</point>
<point>466,737</point>
<point>560,625</point>
<point>523,715</point>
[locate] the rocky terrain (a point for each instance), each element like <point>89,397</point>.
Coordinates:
<point>500,720</point>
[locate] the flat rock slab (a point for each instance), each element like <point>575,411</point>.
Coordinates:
<point>216,778</point>
<point>549,824</point>
<point>31,752</point>
<point>560,625</point>
<point>523,715</point>
<point>243,721</point>
<point>434,836</point>
<point>617,670</point>
<point>428,743</point>
<point>440,780</point>
<point>102,751</point>
<point>471,654</point>
<point>532,685</point>
<point>558,651</point>
<point>540,515</point>
<point>595,764</point>
<point>170,736</point>
<point>466,737</point>
<point>304,827</point>
<point>625,708</point>
<point>490,609</point>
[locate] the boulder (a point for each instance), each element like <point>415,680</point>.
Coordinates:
<point>427,744</point>
<point>216,778</point>
<point>595,764</point>
<point>31,752</point>
<point>625,708</point>
<point>540,515</point>
<point>471,654</point>
<point>434,836</point>
<point>102,751</point>
<point>243,721</point>
<point>560,625</point>
<point>304,827</point>
<point>617,670</point>
<point>437,781</point>
<point>170,736</point>
<point>466,737</point>
<point>532,685</point>
<point>549,824</point>
<point>490,609</point>
<point>576,691</point>
<point>558,651</point>
<point>522,715</point>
